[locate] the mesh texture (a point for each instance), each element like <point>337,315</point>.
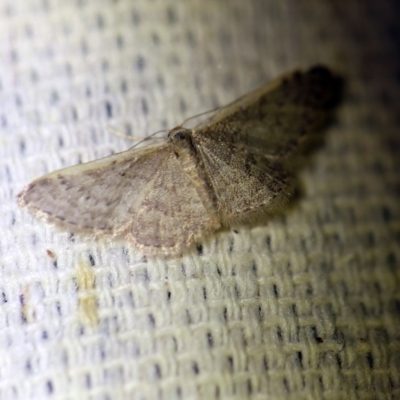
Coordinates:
<point>306,306</point>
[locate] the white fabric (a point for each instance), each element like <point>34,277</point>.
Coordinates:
<point>301,306</point>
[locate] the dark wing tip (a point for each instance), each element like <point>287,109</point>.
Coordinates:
<point>320,70</point>
<point>327,87</point>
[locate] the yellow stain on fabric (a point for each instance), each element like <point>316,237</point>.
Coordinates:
<point>87,295</point>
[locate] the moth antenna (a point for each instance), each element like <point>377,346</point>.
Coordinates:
<point>141,139</point>
<point>203,113</point>
<point>150,137</point>
<point>215,109</point>
<point>118,133</point>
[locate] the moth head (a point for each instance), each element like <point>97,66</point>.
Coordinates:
<point>180,137</point>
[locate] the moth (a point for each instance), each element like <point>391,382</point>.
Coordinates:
<point>232,166</point>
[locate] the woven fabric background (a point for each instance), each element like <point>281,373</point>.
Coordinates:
<point>306,306</point>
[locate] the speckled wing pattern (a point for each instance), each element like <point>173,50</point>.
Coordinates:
<point>140,194</point>
<point>162,198</point>
<point>245,145</point>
